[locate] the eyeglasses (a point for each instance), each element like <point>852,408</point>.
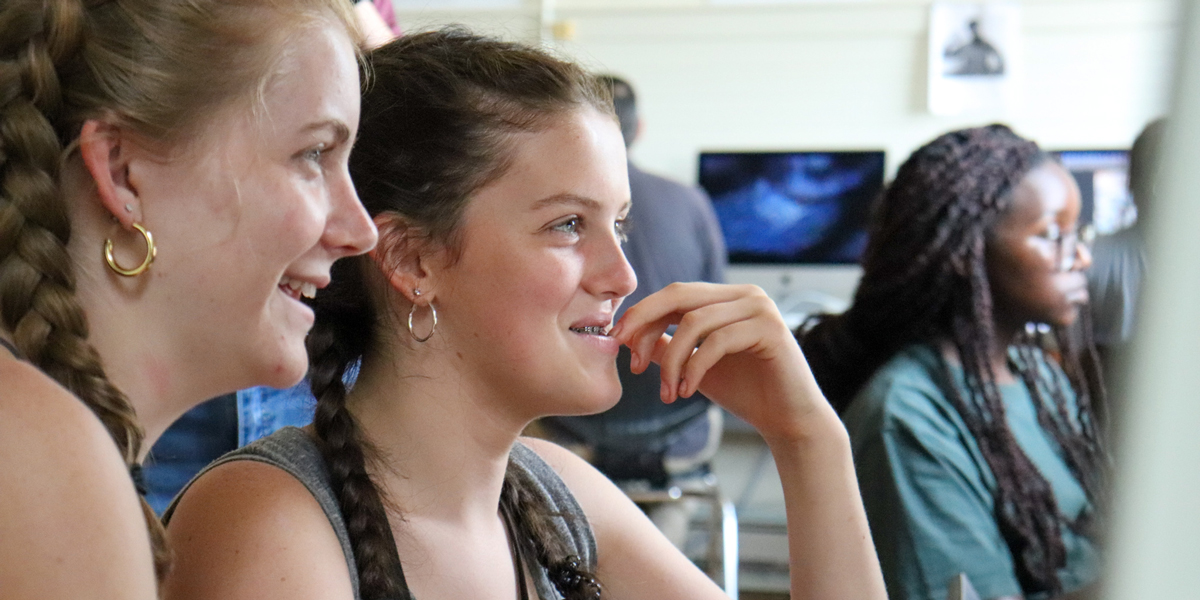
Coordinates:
<point>1067,244</point>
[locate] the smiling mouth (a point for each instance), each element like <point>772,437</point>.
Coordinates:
<point>592,330</point>
<point>296,288</point>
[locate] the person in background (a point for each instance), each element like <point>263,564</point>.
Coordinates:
<point>673,237</point>
<point>173,178</point>
<point>377,20</point>
<point>1119,260</point>
<point>497,176</point>
<point>231,421</point>
<point>972,419</point>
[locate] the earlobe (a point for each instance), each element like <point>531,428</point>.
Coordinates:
<point>103,150</point>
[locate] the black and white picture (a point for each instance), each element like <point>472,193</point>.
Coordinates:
<point>973,57</point>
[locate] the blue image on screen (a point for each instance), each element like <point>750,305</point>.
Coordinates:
<point>793,207</point>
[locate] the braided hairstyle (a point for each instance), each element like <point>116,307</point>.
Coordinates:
<point>435,128</point>
<point>925,280</point>
<point>154,66</point>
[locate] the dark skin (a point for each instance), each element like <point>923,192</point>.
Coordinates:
<point>1023,266</point>
<point>1025,272</point>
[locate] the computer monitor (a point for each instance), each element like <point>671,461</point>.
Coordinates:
<point>793,207</point>
<point>1103,178</point>
<point>795,223</point>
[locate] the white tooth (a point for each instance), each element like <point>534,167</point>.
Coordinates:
<point>309,290</point>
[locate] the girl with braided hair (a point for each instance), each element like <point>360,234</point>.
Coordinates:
<point>497,177</point>
<point>171,182</point>
<point>972,413</point>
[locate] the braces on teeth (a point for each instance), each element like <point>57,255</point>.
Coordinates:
<point>592,330</point>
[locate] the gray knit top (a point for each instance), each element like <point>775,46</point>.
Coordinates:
<point>292,450</point>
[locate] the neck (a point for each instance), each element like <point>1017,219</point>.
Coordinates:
<point>131,337</point>
<point>446,442</point>
<point>136,366</point>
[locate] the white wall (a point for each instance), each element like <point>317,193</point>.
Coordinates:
<point>844,74</point>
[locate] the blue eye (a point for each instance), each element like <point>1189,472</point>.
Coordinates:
<point>314,154</point>
<point>570,225</point>
<point>621,226</point>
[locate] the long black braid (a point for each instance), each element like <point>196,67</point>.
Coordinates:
<point>925,281</point>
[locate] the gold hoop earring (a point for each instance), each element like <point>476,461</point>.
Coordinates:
<point>431,329</point>
<point>151,252</point>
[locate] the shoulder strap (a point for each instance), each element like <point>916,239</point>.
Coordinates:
<point>10,347</point>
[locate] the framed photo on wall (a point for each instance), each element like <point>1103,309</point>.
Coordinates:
<point>974,57</point>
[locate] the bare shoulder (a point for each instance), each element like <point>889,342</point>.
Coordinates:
<point>67,498</point>
<point>248,529</point>
<point>32,404</point>
<point>596,494</point>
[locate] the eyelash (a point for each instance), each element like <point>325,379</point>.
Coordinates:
<point>572,225</point>
<point>621,226</point>
<point>314,154</point>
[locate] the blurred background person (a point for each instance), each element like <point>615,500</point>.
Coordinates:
<point>1119,260</point>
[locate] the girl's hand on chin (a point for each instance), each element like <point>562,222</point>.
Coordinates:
<point>732,345</point>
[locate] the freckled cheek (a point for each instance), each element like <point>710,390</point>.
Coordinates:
<point>294,228</point>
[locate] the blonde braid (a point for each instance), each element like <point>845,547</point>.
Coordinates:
<point>38,305</point>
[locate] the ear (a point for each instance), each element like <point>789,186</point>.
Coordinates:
<point>406,258</point>
<point>106,152</point>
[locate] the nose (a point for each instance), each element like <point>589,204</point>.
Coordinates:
<point>610,275</point>
<point>349,230</point>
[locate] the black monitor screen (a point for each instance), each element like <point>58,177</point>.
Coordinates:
<point>1103,178</point>
<point>793,207</point>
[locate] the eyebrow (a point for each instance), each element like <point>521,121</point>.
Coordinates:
<point>340,131</point>
<point>561,199</point>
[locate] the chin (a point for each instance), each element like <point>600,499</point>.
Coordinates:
<point>597,398</point>
<point>1067,317</point>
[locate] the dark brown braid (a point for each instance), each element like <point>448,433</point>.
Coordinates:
<point>341,336</point>
<point>435,128</point>
<point>925,281</point>
<point>566,571</point>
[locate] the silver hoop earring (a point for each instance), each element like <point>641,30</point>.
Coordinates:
<point>432,329</point>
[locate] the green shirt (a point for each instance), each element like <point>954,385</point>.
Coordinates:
<point>929,493</point>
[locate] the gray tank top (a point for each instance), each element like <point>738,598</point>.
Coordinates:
<point>292,450</point>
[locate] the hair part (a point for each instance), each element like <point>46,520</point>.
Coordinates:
<point>438,124</point>
<point>925,281</point>
<point>157,67</point>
